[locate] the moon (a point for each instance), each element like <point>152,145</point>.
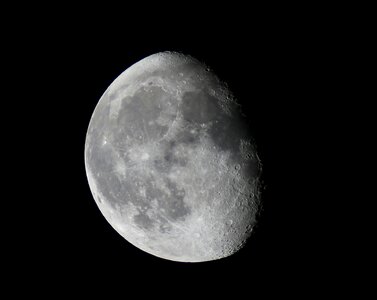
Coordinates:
<point>171,163</point>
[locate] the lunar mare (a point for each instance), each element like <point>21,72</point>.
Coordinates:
<point>171,163</point>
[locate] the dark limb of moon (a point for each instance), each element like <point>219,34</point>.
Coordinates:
<point>170,162</point>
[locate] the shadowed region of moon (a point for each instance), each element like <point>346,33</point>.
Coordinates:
<point>170,162</point>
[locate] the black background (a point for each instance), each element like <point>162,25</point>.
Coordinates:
<point>280,68</point>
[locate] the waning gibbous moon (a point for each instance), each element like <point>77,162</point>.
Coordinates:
<point>171,163</point>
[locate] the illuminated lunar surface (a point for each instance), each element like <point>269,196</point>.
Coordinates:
<point>171,163</point>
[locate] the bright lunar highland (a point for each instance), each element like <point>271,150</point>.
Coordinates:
<point>171,163</point>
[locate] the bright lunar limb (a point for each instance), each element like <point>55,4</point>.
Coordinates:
<point>171,163</point>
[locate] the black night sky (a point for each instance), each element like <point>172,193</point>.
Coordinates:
<point>272,67</point>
